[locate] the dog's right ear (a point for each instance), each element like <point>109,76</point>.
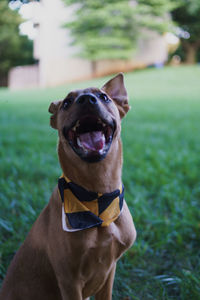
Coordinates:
<point>53,109</point>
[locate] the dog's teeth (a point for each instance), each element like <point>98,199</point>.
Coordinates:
<point>77,125</point>
<point>101,151</point>
<point>79,143</point>
<point>81,146</point>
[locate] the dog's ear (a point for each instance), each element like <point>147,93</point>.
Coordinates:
<point>116,90</point>
<point>53,109</point>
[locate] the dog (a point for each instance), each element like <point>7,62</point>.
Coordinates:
<point>73,247</point>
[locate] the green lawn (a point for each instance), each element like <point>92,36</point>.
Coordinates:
<point>161,138</point>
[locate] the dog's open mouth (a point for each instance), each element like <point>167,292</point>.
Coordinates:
<point>90,137</point>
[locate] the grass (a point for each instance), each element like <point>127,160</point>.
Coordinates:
<point>161,141</point>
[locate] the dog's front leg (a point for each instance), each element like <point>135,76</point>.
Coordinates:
<point>69,292</point>
<point>106,292</point>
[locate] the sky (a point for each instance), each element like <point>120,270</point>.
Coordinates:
<point>28,12</point>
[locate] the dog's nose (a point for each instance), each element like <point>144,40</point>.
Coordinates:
<point>87,99</point>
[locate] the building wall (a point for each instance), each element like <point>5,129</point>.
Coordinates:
<point>57,61</point>
<point>152,48</point>
<point>24,77</point>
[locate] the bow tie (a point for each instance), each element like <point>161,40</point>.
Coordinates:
<point>82,209</point>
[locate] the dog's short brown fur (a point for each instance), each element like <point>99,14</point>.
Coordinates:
<point>53,264</point>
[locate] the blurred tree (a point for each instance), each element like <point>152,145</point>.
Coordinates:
<point>23,1</point>
<point>187,17</point>
<point>14,49</point>
<point>108,29</point>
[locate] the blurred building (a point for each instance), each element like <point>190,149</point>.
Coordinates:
<point>57,63</point>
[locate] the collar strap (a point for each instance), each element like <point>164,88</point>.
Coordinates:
<point>83,209</point>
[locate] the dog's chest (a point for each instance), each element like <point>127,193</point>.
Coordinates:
<point>100,249</point>
<point>103,248</point>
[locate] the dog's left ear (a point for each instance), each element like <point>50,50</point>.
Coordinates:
<point>116,90</point>
<point>53,109</point>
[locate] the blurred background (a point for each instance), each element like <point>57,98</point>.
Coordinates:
<point>51,42</point>
<point>50,47</point>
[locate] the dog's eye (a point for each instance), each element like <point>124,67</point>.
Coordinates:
<point>104,98</point>
<point>67,102</point>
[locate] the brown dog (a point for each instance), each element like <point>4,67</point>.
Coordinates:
<point>72,249</point>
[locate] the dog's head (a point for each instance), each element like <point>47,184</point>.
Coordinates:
<point>88,120</point>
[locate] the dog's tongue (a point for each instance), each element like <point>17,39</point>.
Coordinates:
<point>93,141</point>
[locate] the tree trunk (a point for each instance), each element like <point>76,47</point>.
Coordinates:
<point>3,79</point>
<point>190,52</point>
<point>94,68</point>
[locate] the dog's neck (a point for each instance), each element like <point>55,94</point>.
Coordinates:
<point>101,177</point>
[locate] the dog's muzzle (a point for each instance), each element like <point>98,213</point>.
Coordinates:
<point>90,136</point>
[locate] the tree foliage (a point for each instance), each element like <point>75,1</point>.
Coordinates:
<point>187,17</point>
<point>103,30</point>
<point>155,14</point>
<point>108,29</point>
<point>14,49</point>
